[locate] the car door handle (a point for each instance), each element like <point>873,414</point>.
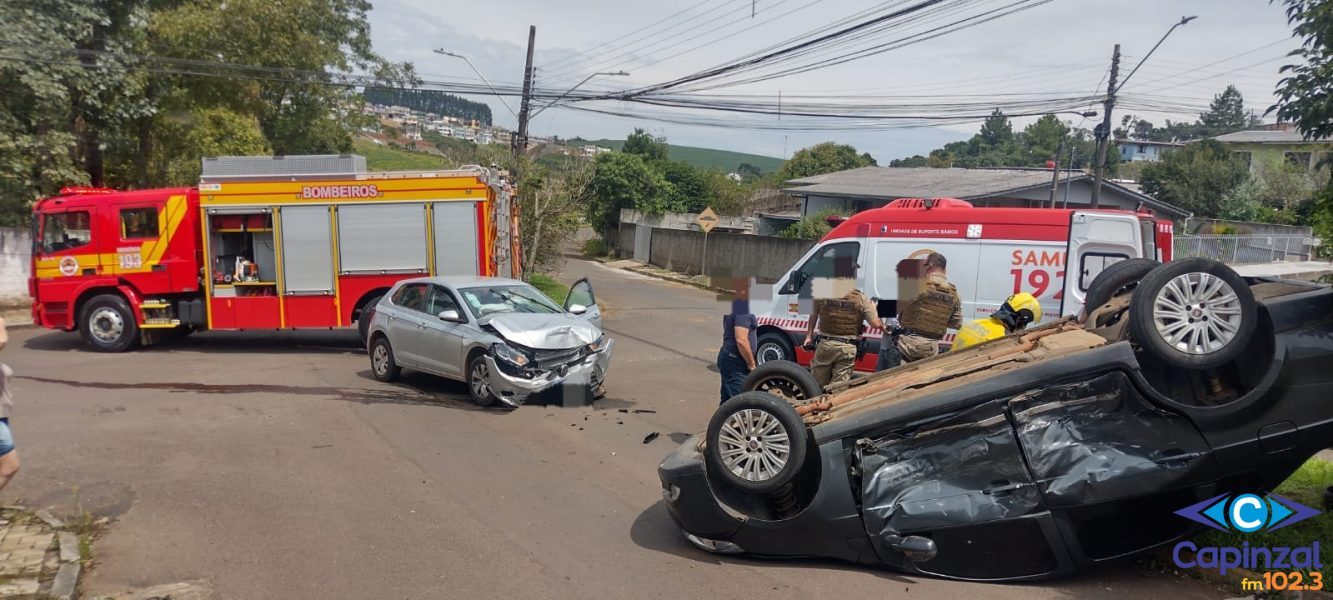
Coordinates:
<point>1175,459</point>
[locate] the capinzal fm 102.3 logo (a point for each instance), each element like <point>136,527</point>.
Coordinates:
<point>1247,513</point>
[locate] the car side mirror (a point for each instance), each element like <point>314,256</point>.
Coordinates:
<point>449,315</point>
<point>914,547</point>
<point>577,309</point>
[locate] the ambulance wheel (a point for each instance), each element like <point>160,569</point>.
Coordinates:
<point>783,378</point>
<point>1195,313</point>
<point>1117,279</point>
<point>756,442</point>
<point>773,346</point>
<point>382,364</point>
<point>107,324</point>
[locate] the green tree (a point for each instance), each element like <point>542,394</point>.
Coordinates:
<point>551,202</point>
<point>911,161</point>
<point>687,188</point>
<point>621,180</point>
<point>1226,113</point>
<point>828,157</point>
<point>207,132</point>
<point>643,144</point>
<point>996,132</point>
<point>1303,94</point>
<point>1196,177</point>
<point>1041,139</point>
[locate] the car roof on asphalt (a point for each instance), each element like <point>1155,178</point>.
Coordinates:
<point>463,281</point>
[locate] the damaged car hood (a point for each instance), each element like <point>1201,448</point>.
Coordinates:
<point>543,331</point>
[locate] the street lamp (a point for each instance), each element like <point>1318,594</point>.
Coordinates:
<point>483,77</point>
<point>576,86</point>
<point>1183,20</point>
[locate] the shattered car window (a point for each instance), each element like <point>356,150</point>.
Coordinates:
<point>507,299</point>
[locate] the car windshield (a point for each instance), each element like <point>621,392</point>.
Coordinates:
<point>507,299</point>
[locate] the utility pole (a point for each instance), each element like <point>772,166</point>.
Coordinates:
<point>1055,178</point>
<point>521,139</point>
<point>1103,133</point>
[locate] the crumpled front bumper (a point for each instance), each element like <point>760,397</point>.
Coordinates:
<point>590,372</point>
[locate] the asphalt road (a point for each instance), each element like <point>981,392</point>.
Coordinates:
<point>274,466</point>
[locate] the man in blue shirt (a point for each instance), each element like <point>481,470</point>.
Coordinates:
<point>735,359</point>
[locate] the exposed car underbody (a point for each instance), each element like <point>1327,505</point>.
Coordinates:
<point>1022,458</point>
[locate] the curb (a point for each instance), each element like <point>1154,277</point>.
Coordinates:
<point>644,270</point>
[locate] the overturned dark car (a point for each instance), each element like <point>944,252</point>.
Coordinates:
<point>1030,456</point>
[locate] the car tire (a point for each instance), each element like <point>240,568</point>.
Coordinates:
<point>1117,279</point>
<point>784,379</point>
<point>1195,313</point>
<point>107,324</point>
<point>382,364</point>
<point>478,384</point>
<point>773,346</point>
<point>748,435</point>
<point>363,319</point>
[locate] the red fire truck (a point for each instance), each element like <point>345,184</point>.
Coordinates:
<point>262,243</point>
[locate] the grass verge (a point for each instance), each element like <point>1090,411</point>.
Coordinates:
<point>1305,486</point>
<point>556,290</point>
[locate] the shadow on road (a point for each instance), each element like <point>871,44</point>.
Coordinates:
<point>217,342</point>
<point>654,530</point>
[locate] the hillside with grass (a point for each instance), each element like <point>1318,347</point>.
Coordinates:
<point>383,158</point>
<point>704,158</point>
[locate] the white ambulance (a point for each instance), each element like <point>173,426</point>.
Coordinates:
<point>992,253</point>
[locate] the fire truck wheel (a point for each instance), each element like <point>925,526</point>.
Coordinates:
<point>1195,313</point>
<point>107,324</point>
<point>363,317</point>
<point>382,364</point>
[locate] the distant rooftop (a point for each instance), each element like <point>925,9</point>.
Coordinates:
<point>1282,133</point>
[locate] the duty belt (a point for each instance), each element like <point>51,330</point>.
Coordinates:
<point>838,338</point>
<point>906,331</point>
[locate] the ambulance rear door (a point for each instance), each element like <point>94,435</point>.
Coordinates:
<point>1097,240</point>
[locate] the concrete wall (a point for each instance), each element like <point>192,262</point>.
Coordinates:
<point>685,221</point>
<point>764,258</point>
<point>15,255</point>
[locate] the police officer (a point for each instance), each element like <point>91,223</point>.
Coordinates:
<point>1015,314</point>
<point>926,318</point>
<point>840,323</point>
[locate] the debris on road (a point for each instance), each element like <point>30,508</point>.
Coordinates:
<point>650,437</point>
<point>643,410</point>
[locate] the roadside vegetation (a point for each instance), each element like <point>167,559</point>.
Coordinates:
<point>548,285</point>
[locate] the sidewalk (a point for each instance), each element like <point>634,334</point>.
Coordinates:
<point>39,558</point>
<point>635,266</point>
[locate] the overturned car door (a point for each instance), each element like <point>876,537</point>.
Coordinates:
<point>1111,463</point>
<point>961,482</point>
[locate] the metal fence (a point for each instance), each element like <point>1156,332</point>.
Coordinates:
<point>1244,249</point>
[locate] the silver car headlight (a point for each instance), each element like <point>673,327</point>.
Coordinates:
<point>510,355</point>
<point>597,345</point>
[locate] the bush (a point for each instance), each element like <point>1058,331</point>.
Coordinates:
<point>595,247</point>
<point>813,227</point>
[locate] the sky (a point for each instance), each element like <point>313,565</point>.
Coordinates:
<point>1062,46</point>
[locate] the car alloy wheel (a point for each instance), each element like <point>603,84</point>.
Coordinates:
<point>380,358</point>
<point>1197,313</point>
<point>107,325</point>
<point>754,445</point>
<point>480,380</point>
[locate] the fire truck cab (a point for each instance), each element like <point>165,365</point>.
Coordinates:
<point>1053,254</point>
<point>262,243</point>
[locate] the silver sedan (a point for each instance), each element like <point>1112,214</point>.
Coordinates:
<point>503,337</point>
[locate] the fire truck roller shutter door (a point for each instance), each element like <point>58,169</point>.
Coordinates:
<point>307,250</point>
<point>455,227</point>
<point>379,238</point>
